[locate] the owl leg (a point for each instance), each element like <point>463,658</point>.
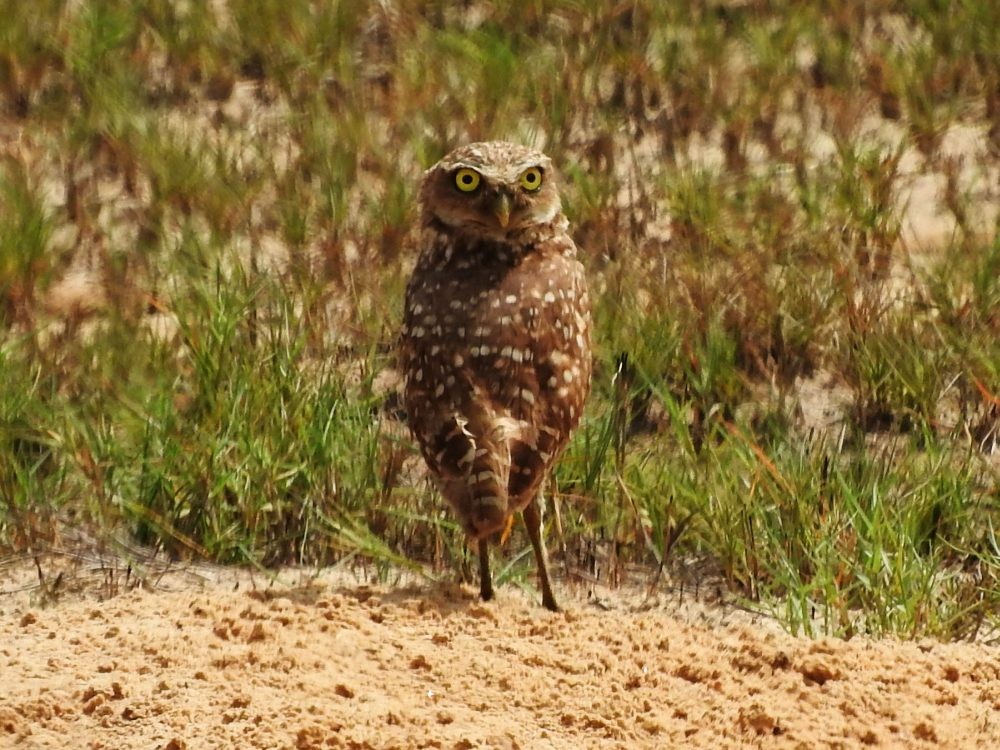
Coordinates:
<point>533,521</point>
<point>485,579</point>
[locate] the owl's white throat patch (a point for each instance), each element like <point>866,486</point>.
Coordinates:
<point>544,214</point>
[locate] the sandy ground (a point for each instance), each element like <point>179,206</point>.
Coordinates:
<point>224,662</point>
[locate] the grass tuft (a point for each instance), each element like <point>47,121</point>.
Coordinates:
<point>788,215</point>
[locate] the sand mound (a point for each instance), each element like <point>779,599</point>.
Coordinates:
<point>328,665</point>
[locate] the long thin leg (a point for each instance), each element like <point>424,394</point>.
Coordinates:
<point>533,521</point>
<point>485,579</point>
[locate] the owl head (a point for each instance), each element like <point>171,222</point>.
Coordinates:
<point>493,189</point>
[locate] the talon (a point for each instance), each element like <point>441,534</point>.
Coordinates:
<point>507,528</point>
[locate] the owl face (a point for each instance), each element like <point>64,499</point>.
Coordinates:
<point>493,189</point>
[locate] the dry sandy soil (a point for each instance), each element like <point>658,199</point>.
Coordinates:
<point>222,661</point>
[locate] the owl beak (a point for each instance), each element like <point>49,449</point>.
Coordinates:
<point>501,208</point>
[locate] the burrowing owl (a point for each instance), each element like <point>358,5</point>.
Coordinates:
<point>496,339</point>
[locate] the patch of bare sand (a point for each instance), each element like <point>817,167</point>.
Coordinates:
<point>332,663</point>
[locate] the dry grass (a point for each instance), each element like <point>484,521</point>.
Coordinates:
<point>204,213</point>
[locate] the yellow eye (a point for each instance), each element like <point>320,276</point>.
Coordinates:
<point>466,180</point>
<point>531,178</point>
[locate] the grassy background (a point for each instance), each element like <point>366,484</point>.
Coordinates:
<point>204,215</point>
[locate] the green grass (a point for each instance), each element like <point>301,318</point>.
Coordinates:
<point>237,190</point>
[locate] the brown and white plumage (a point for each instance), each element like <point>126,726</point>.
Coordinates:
<point>496,338</point>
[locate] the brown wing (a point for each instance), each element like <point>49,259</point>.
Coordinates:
<point>497,363</point>
<point>449,406</point>
<point>555,308</point>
